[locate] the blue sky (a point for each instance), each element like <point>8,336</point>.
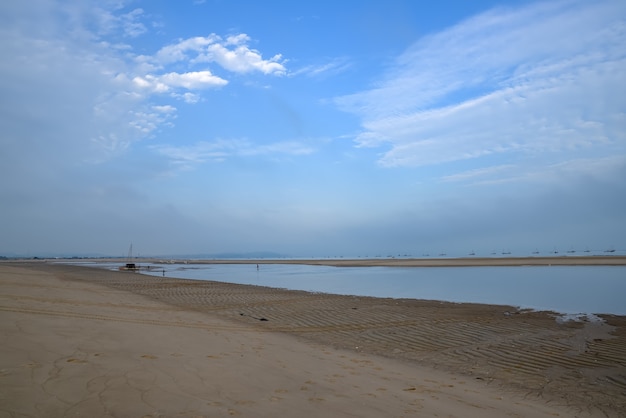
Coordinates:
<point>355,128</point>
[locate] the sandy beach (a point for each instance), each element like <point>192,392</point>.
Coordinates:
<point>86,342</point>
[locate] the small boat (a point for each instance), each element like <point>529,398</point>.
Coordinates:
<point>130,266</point>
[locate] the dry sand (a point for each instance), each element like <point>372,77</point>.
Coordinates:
<point>86,342</point>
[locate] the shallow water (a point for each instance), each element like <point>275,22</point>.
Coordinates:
<point>564,289</point>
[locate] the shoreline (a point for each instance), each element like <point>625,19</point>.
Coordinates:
<point>496,358</point>
<point>565,260</point>
<point>442,262</point>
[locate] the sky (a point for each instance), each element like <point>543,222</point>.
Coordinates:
<point>312,129</point>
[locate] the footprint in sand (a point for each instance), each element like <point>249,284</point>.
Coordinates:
<point>315,399</point>
<point>149,356</point>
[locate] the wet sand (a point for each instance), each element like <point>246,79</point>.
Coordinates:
<point>80,341</point>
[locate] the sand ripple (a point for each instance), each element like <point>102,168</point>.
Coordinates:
<point>580,364</point>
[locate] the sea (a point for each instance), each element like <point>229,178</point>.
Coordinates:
<point>572,290</point>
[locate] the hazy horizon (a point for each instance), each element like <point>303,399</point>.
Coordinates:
<point>273,255</point>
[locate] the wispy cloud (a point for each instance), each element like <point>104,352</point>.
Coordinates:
<point>131,24</point>
<point>332,67</point>
<point>187,157</point>
<point>605,170</point>
<point>541,80</point>
<point>479,174</point>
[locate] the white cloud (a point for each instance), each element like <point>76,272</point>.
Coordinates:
<point>545,79</point>
<point>190,98</point>
<point>242,60</point>
<point>232,54</point>
<point>191,81</point>
<point>179,51</point>
<point>165,109</point>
